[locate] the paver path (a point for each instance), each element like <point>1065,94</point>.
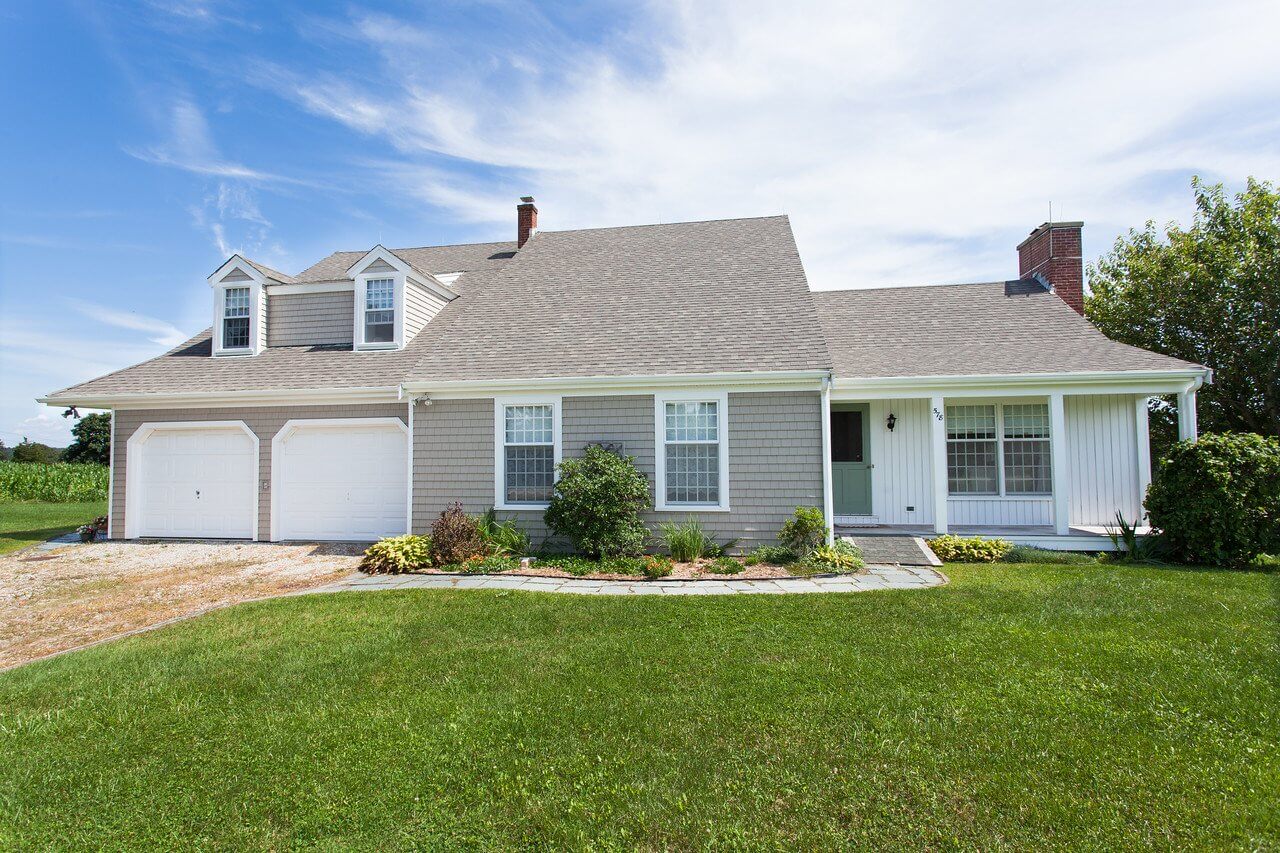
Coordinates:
<point>876,577</point>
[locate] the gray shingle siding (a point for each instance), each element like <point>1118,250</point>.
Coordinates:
<point>420,305</point>
<point>264,421</point>
<point>775,458</point>
<point>296,319</point>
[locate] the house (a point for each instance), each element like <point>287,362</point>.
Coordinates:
<point>358,398</point>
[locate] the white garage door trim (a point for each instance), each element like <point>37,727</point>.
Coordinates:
<point>133,467</point>
<point>290,427</point>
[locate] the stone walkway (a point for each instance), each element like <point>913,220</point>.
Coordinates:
<point>903,550</point>
<point>876,577</point>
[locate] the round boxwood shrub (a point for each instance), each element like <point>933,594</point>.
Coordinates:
<point>597,503</point>
<point>1217,501</point>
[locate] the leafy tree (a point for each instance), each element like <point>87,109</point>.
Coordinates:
<point>597,504</point>
<point>93,440</point>
<point>4,451</point>
<point>1210,294</point>
<point>34,451</point>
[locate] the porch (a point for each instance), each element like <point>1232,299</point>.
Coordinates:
<point>1047,465</point>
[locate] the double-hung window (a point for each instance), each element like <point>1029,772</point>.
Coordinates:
<point>528,452</point>
<point>692,453</point>
<point>380,311</point>
<point>998,450</point>
<point>235,318</point>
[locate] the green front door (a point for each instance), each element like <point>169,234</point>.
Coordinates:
<point>851,459</point>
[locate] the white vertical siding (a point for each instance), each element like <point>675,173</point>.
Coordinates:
<point>1102,458</point>
<point>901,477</point>
<point>1013,512</point>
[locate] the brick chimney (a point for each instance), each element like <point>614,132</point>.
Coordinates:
<point>526,220</point>
<point>1053,252</point>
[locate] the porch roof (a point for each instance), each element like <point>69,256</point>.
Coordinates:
<point>992,329</point>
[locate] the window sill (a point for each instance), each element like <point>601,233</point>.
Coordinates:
<point>505,507</point>
<point>375,347</point>
<point>232,352</point>
<point>691,508</point>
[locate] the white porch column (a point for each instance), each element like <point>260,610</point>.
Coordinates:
<point>1188,429</point>
<point>938,437</point>
<point>1058,461</point>
<point>828,501</point>
<point>1143,436</point>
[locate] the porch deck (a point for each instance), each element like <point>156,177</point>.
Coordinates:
<point>1080,538</point>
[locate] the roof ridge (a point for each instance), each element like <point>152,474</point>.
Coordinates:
<point>666,224</point>
<point>1002,282</point>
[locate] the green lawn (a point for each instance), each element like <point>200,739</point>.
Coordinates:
<point>1020,707</point>
<point>23,523</point>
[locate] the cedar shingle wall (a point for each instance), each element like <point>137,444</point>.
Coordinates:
<point>298,319</point>
<point>775,458</point>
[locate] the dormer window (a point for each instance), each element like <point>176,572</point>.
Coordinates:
<point>380,311</point>
<point>235,318</point>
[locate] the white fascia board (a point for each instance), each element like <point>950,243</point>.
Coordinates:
<point>798,380</point>
<point>1022,384</point>
<point>236,262</point>
<point>201,399</point>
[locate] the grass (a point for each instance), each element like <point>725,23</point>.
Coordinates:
<point>1021,707</point>
<point>23,524</point>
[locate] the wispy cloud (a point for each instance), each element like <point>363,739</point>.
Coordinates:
<point>157,331</point>
<point>910,142</point>
<point>190,147</point>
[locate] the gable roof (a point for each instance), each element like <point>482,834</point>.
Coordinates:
<point>695,297</point>
<point>995,328</point>
<point>268,272</point>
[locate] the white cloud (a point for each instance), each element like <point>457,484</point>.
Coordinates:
<point>157,331</point>
<point>910,142</point>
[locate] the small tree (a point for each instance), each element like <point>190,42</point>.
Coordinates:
<point>455,537</point>
<point>93,440</point>
<point>1217,501</point>
<point>597,504</point>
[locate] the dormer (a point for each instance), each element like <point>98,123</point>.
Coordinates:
<point>239,308</point>
<point>393,300</point>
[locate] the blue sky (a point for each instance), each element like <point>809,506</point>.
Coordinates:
<point>910,142</point>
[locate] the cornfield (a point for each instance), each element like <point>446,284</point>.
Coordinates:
<point>60,482</point>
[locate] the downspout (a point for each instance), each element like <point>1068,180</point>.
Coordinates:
<point>828,501</point>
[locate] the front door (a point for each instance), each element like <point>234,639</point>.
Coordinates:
<point>851,460</point>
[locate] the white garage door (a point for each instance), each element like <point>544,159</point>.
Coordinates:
<point>343,482</point>
<point>196,483</point>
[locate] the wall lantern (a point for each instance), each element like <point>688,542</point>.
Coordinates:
<point>891,421</point>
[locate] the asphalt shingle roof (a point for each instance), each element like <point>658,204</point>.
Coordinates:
<point>968,329</point>
<point>697,297</point>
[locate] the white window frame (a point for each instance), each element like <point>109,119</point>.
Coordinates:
<point>361,292</point>
<point>255,282</point>
<point>660,400</point>
<point>500,405</point>
<point>1001,492</point>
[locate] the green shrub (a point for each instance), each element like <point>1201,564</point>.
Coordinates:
<point>504,538</point>
<point>455,537</point>
<point>58,482</point>
<point>841,557</point>
<point>687,542</point>
<point>656,566</point>
<point>579,566</point>
<point>973,549</point>
<point>726,566</point>
<point>1130,547</point>
<point>1217,501</point>
<point>772,555</point>
<point>597,503</point>
<point>491,564</point>
<point>1030,554</point>
<point>397,555</point>
<point>804,531</point>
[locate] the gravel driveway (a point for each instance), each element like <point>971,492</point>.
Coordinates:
<point>62,599</point>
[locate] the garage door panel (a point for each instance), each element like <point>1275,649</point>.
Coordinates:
<point>196,483</point>
<point>341,482</point>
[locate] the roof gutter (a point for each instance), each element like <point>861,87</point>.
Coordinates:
<point>1152,381</point>
<point>257,397</point>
